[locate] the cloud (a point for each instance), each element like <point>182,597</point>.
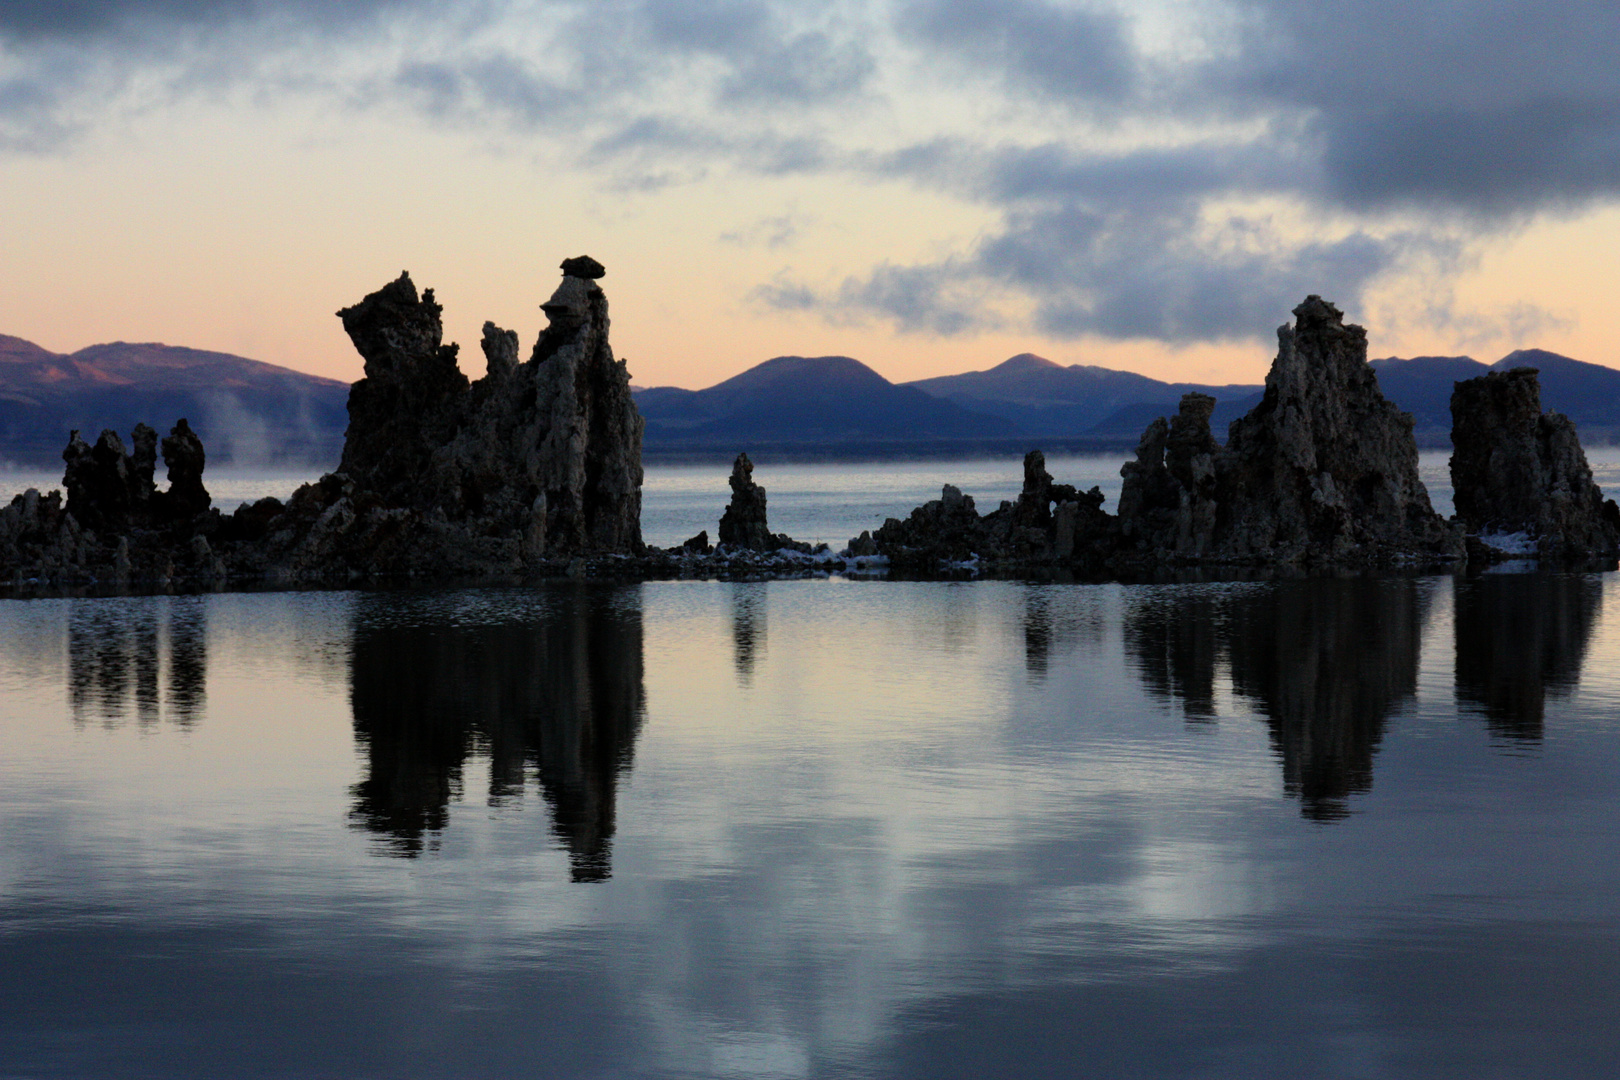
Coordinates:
<point>1494,107</point>
<point>33,21</point>
<point>773,232</point>
<point>1180,171</point>
<point>1058,51</point>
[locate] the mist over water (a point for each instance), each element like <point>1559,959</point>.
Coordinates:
<point>1322,827</point>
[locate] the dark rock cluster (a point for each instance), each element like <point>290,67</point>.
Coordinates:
<point>1521,481</point>
<point>1048,523</point>
<point>524,471</point>
<point>535,469</point>
<point>110,489</point>
<point>536,462</point>
<point>115,524</point>
<point>743,525</point>
<point>1322,472</point>
<point>1324,469</point>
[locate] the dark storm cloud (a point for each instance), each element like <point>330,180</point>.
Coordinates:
<point>1055,50</point>
<point>1121,276</point>
<point>1490,107</point>
<point>40,20</point>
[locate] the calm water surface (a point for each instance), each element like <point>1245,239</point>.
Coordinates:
<point>1323,828</point>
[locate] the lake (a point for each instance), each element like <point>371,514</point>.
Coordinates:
<point>1332,827</point>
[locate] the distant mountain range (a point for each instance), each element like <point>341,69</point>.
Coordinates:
<point>1588,394</point>
<point>835,406</point>
<point>245,411</point>
<point>1079,401</point>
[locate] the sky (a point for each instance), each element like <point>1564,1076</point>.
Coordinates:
<point>930,186</point>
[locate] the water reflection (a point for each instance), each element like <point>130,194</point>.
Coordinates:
<point>748,602</point>
<point>1055,620</point>
<point>116,653</point>
<point>1325,660</point>
<point>1520,639</point>
<point>556,694</point>
<point>1175,644</point>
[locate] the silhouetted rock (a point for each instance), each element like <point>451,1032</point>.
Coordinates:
<point>143,469</point>
<point>409,402</point>
<point>1323,470</point>
<point>1169,498</point>
<point>97,480</point>
<point>112,493</point>
<point>583,266</point>
<point>743,524</point>
<point>699,543</point>
<point>1049,522</point>
<point>1325,467</point>
<point>184,456</point>
<point>1520,477</point>
<point>863,546</point>
<point>947,529</point>
<point>532,465</point>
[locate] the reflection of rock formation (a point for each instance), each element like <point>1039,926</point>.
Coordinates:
<point>747,626</point>
<point>1325,660</point>
<point>1037,634</point>
<point>116,655</point>
<point>559,697</point>
<point>1055,621</point>
<point>1172,638</point>
<point>1521,637</point>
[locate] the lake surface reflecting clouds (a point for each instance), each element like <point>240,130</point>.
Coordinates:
<point>1336,827</point>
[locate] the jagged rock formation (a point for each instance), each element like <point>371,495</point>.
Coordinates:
<point>535,463</point>
<point>410,401</point>
<point>1518,471</point>
<point>1324,469</point>
<point>113,491</point>
<point>535,468</point>
<point>530,467</point>
<point>946,529</point>
<point>1168,501</point>
<point>1048,522</point>
<point>743,524</point>
<point>115,524</point>
<point>184,456</point>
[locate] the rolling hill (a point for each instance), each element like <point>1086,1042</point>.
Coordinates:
<point>800,401</point>
<point>1046,399</point>
<point>246,411</point>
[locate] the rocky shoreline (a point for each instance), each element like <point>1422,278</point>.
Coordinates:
<point>534,471</point>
